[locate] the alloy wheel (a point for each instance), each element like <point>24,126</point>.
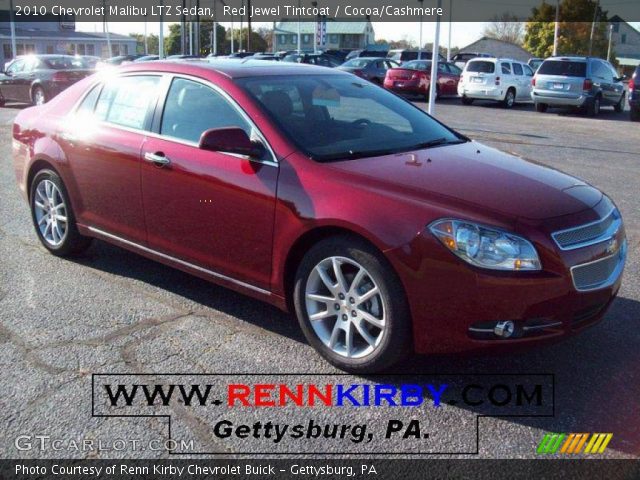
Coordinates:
<point>50,212</point>
<point>345,307</point>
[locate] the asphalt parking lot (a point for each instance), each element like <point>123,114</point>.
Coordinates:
<point>113,311</point>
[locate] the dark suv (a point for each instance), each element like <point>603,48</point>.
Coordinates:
<point>582,82</point>
<point>634,95</point>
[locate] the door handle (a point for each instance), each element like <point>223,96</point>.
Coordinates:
<point>157,158</point>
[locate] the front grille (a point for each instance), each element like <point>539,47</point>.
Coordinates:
<point>599,273</point>
<point>590,233</point>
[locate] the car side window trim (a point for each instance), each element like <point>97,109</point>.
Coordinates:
<point>157,117</point>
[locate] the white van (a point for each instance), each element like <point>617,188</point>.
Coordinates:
<point>499,79</point>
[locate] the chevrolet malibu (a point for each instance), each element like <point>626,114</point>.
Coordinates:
<point>385,231</point>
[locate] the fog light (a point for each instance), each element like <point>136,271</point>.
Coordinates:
<point>504,329</point>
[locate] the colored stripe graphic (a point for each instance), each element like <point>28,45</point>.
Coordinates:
<point>573,443</point>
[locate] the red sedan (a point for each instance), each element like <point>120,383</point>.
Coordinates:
<point>413,78</point>
<point>384,230</point>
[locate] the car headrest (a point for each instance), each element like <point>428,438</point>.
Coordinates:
<point>278,103</point>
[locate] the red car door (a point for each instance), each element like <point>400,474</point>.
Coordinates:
<point>447,82</point>
<point>211,209</point>
<point>102,142</point>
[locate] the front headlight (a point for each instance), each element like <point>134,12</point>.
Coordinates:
<point>486,247</point>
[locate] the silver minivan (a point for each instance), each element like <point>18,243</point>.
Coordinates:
<point>579,82</point>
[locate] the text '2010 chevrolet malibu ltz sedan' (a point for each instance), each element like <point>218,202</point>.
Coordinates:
<point>383,229</point>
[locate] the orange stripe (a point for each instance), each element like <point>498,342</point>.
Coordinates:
<point>576,439</point>
<point>566,444</point>
<point>579,446</point>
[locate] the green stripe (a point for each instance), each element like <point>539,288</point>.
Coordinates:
<point>555,448</point>
<point>543,443</point>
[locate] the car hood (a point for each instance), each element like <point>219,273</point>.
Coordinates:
<point>478,175</point>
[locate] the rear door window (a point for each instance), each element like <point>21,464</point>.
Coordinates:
<point>481,66</point>
<point>127,101</point>
<point>505,68</point>
<point>565,68</point>
<point>517,69</point>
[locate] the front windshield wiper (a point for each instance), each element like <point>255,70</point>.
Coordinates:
<point>436,142</point>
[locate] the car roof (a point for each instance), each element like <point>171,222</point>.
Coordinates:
<point>570,58</point>
<point>232,68</point>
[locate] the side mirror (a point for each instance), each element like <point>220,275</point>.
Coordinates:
<point>230,140</point>
<point>621,79</point>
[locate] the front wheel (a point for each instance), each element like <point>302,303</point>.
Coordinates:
<point>619,107</point>
<point>53,216</point>
<point>351,306</point>
<point>38,97</point>
<point>466,100</point>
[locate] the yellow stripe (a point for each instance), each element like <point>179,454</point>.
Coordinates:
<point>590,444</point>
<point>596,445</point>
<point>567,442</point>
<point>579,446</point>
<point>605,443</point>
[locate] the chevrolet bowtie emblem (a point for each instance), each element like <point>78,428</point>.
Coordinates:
<point>612,246</point>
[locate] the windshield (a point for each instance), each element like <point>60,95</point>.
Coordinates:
<point>564,68</point>
<point>356,62</point>
<point>417,65</point>
<point>481,66</point>
<point>64,63</point>
<point>336,117</point>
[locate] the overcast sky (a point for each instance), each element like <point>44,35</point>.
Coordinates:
<point>461,34</point>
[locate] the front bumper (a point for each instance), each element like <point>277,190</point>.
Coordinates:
<point>456,307</point>
<point>559,100</point>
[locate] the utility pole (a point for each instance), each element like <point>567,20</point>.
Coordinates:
<point>299,36</point>
<point>197,32</point>
<point>241,26</point>
<point>146,45</point>
<point>183,29</point>
<point>610,35</point>
<point>450,28</point>
<point>556,28</point>
<point>315,30</point>
<point>593,26</point>
<point>421,2</point>
<point>12,23</point>
<point>248,25</point>
<point>161,34</point>
<point>214,38</point>
<point>105,28</point>
<point>434,66</point>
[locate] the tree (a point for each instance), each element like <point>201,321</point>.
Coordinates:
<point>258,44</point>
<point>266,34</point>
<point>173,41</point>
<point>152,43</point>
<point>574,32</point>
<point>505,27</point>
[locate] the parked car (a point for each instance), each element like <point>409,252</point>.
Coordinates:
<point>461,59</point>
<point>183,57</point>
<point>265,56</point>
<point>634,95</point>
<point>263,180</point>
<point>578,82</point>
<point>147,58</point>
<point>340,54</point>
<point>321,59</point>
<point>364,53</point>
<point>414,78</point>
<point>36,79</point>
<point>116,61</point>
<point>497,79</point>
<point>535,62</point>
<point>373,69</point>
<point>404,55</point>
<point>89,61</point>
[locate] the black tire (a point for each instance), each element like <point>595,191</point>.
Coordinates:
<point>72,242</point>
<point>634,114</point>
<point>593,107</point>
<point>619,107</point>
<point>466,100</point>
<point>427,96</point>
<point>509,98</point>
<point>396,341</point>
<point>541,107</point>
<point>35,95</point>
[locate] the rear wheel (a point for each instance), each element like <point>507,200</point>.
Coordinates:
<point>53,216</point>
<point>466,100</point>
<point>541,107</point>
<point>351,306</point>
<point>509,98</point>
<point>38,96</point>
<point>619,107</point>
<point>593,107</point>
